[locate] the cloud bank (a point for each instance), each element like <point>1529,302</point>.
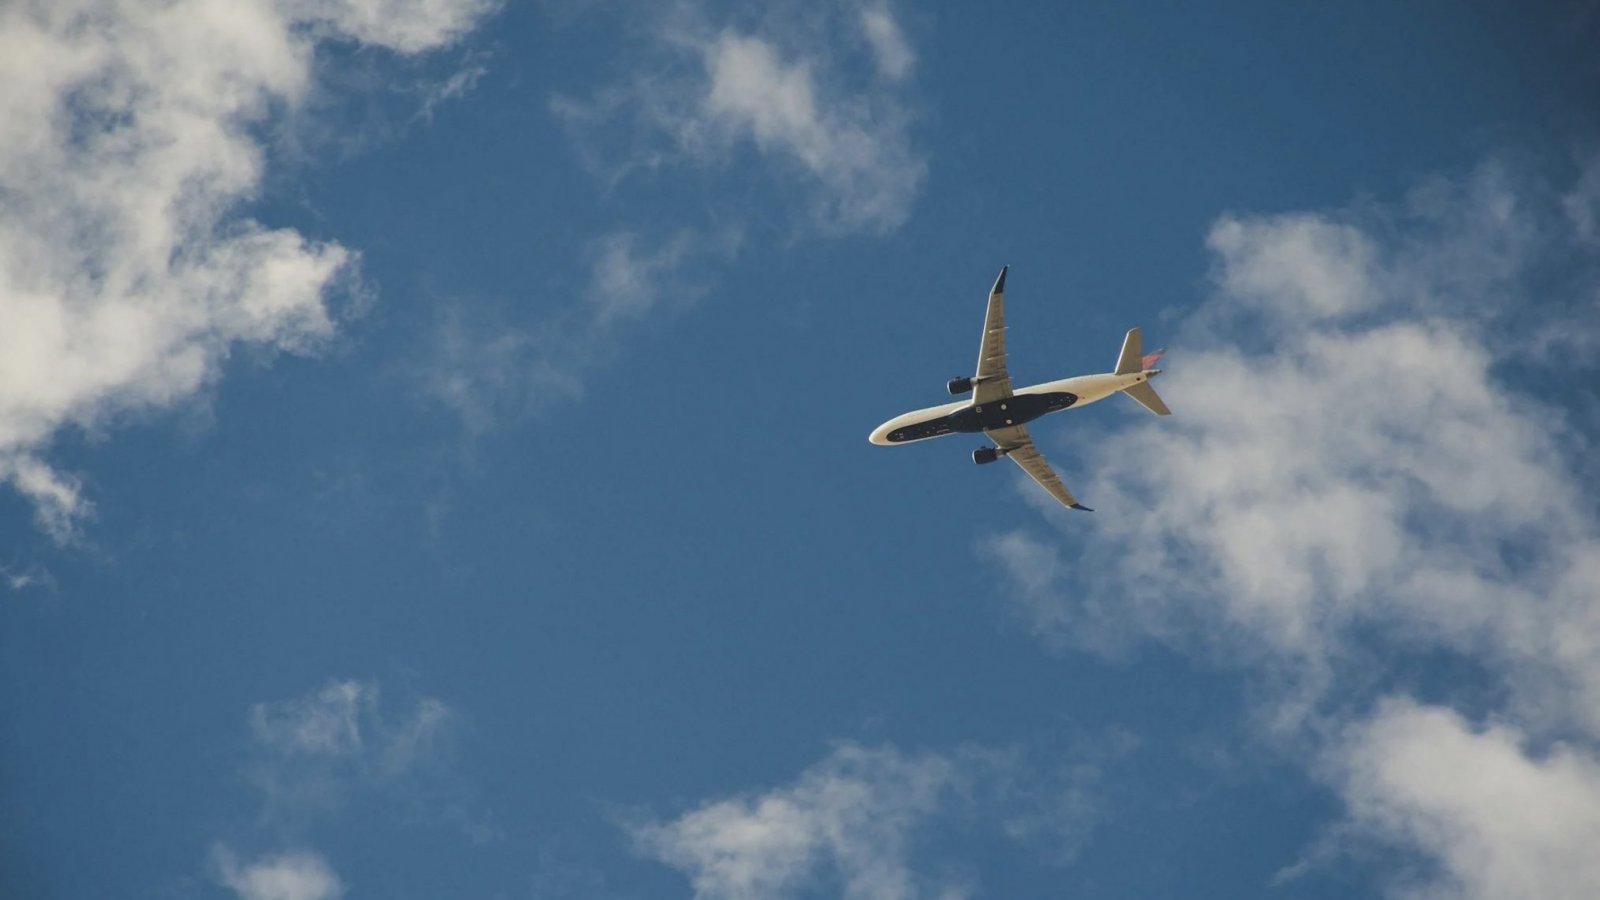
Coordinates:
<point>1501,818</point>
<point>1352,484</point>
<point>129,139</point>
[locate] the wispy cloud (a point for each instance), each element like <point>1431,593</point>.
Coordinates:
<point>702,92</point>
<point>890,49</point>
<point>852,822</point>
<point>129,137</point>
<point>314,756</point>
<point>486,370</point>
<point>1350,479</point>
<point>630,279</point>
<point>487,367</point>
<point>818,95</point>
<point>21,578</point>
<point>315,752</point>
<point>459,84</point>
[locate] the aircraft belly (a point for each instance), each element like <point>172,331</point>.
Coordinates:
<point>972,418</point>
<point>1017,409</point>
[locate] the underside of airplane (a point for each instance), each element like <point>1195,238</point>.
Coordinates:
<point>1002,413</point>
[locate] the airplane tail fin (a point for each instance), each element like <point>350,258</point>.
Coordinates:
<point>1133,359</point>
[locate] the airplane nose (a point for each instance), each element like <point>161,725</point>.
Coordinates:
<point>880,435</point>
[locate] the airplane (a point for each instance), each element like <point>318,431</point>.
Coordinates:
<point>1002,413</point>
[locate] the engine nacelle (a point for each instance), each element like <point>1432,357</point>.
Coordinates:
<point>959,385</point>
<point>984,455</point>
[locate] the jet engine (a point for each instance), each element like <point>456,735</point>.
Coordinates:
<point>959,385</point>
<point>984,455</point>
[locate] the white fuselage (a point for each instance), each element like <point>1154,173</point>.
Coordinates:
<point>1024,405</point>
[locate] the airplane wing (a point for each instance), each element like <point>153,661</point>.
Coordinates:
<point>993,382</point>
<point>1018,446</point>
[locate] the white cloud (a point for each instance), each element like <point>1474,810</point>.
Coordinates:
<point>854,148</point>
<point>332,722</point>
<point>851,815</point>
<point>296,875</point>
<point>852,824</point>
<point>1364,464</point>
<point>696,94</point>
<point>1349,481</point>
<point>1502,820</point>
<point>787,92</point>
<point>1302,265</point>
<point>128,141</point>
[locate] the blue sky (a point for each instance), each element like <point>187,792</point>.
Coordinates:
<point>434,462</point>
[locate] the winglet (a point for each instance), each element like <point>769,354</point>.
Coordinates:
<point>1000,283</point>
<point>1082,507</point>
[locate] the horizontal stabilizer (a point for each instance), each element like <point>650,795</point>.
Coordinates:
<point>1130,359</point>
<point>1148,398</point>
